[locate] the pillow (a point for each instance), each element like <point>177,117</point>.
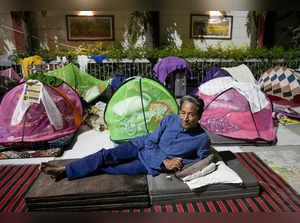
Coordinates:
<point>194,167</point>
<point>223,174</point>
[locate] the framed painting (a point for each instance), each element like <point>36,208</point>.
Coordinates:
<point>98,27</point>
<point>207,27</point>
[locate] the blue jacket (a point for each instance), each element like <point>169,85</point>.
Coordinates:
<point>169,141</point>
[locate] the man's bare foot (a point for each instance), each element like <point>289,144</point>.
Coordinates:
<point>55,172</point>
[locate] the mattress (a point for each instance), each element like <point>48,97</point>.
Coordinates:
<point>95,192</point>
<point>167,188</point>
<point>107,192</point>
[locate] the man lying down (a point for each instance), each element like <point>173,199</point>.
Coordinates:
<point>177,141</point>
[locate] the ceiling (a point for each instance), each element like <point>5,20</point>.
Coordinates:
<point>160,5</point>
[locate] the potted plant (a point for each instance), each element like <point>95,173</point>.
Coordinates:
<point>138,25</point>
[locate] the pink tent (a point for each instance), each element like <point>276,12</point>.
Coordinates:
<point>228,113</point>
<point>35,124</point>
<point>10,73</point>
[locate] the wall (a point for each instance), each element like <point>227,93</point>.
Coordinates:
<point>239,32</point>
<point>50,28</point>
<point>5,31</point>
<point>182,20</point>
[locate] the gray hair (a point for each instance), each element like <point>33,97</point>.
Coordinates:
<point>195,100</point>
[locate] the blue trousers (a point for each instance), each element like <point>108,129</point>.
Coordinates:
<point>123,159</point>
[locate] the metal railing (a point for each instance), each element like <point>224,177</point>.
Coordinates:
<point>130,68</point>
<point>17,68</point>
<point>199,67</point>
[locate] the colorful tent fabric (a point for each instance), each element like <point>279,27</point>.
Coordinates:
<point>51,148</point>
<point>24,153</point>
<point>11,74</point>
<point>281,82</point>
<point>215,72</point>
<point>169,64</point>
<point>137,108</point>
<point>8,80</point>
<point>241,73</point>
<point>6,84</point>
<point>33,60</point>
<point>88,87</point>
<point>27,116</point>
<point>211,73</point>
<point>285,107</point>
<point>238,111</point>
<point>117,80</point>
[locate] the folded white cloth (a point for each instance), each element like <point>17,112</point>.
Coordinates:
<point>206,170</point>
<point>256,98</point>
<point>241,73</point>
<point>223,174</point>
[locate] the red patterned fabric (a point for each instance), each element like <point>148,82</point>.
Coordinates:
<point>276,195</point>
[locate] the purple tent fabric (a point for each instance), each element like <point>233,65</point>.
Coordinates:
<point>214,72</point>
<point>296,116</point>
<point>36,126</point>
<point>169,64</point>
<point>10,73</point>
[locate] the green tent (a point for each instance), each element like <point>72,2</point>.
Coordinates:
<point>87,86</point>
<point>137,107</point>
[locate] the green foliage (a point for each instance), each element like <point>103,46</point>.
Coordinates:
<point>170,38</point>
<point>295,31</point>
<point>137,24</point>
<point>20,54</point>
<point>115,52</point>
<point>134,53</point>
<point>47,55</point>
<point>252,18</point>
<point>52,81</point>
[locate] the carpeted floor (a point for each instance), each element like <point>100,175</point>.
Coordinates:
<point>276,195</point>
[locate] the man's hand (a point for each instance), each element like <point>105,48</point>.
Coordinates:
<point>173,164</point>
